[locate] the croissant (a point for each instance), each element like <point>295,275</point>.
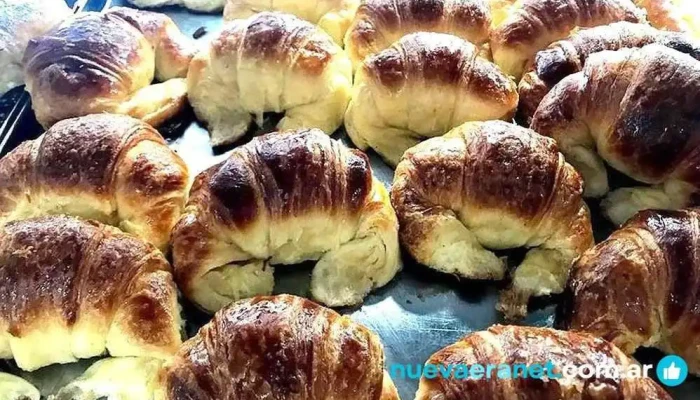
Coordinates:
<point>20,21</point>
<point>281,347</point>
<point>519,345</point>
<point>285,198</point>
<point>522,28</point>
<point>271,62</point>
<point>636,110</point>
<point>197,5</point>
<point>673,15</point>
<point>568,56</point>
<point>16,388</point>
<point>422,86</point>
<point>111,168</point>
<point>333,16</point>
<point>380,23</point>
<point>71,289</point>
<point>108,67</point>
<point>640,286</point>
<point>499,186</point>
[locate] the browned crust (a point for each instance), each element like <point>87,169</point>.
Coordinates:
<point>663,14</point>
<point>437,58</point>
<point>66,269</point>
<point>650,129</point>
<point>279,38</point>
<point>281,347</point>
<point>376,19</point>
<point>538,17</point>
<point>279,176</point>
<point>641,285</point>
<point>567,57</point>
<point>513,345</point>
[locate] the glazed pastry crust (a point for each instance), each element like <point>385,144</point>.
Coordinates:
<point>71,289</point>
<point>333,16</point>
<point>111,168</point>
<point>285,198</point>
<point>634,109</point>
<point>271,62</point>
<point>109,67</point>
<point>514,345</point>
<point>568,56</point>
<point>673,15</point>
<point>380,23</point>
<point>522,28</point>
<point>640,286</point>
<point>422,86</point>
<point>498,186</point>
<point>281,347</point>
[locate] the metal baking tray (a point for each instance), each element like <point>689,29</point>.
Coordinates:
<point>416,314</point>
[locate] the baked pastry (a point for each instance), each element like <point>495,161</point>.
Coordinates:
<point>128,378</point>
<point>285,198</point>
<point>108,67</point>
<point>422,86</point>
<point>519,345</point>
<point>71,289</point>
<point>640,286</point>
<point>20,21</point>
<point>16,388</point>
<point>380,23</point>
<point>568,56</point>
<point>111,168</point>
<point>281,347</point>
<point>522,28</point>
<point>271,62</point>
<point>636,110</point>
<point>197,5</point>
<point>673,15</point>
<point>333,16</point>
<point>493,185</point>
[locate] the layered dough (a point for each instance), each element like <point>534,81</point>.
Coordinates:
<point>522,28</point>
<point>285,198</point>
<point>422,86</point>
<point>639,288</point>
<point>109,66</point>
<point>333,16</point>
<point>493,185</point>
<point>71,289</point>
<point>21,21</point>
<point>110,168</point>
<point>380,23</point>
<point>634,109</point>
<point>271,62</point>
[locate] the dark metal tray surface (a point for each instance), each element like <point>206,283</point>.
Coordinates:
<point>416,314</point>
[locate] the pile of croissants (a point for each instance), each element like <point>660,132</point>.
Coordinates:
<point>499,116</point>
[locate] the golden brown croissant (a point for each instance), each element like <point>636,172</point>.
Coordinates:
<point>522,28</point>
<point>71,289</point>
<point>641,286</point>
<point>281,347</point>
<point>673,15</point>
<point>108,67</point>
<point>380,23</point>
<point>285,198</point>
<point>20,21</point>
<point>423,86</point>
<point>636,110</point>
<point>499,186</point>
<point>111,168</point>
<point>333,16</point>
<point>512,345</point>
<point>271,62</point>
<point>568,56</point>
